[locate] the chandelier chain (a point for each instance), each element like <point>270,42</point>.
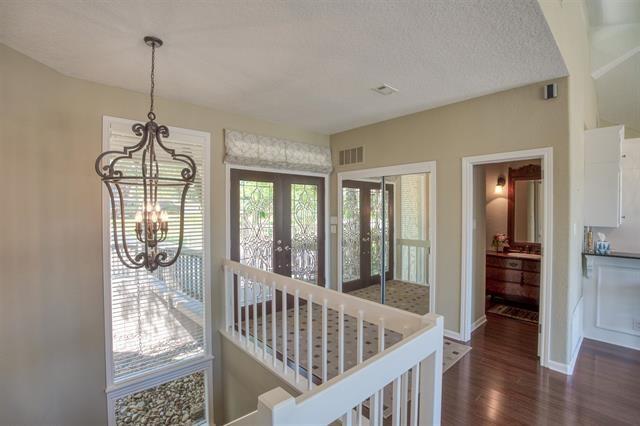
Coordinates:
<point>153,80</point>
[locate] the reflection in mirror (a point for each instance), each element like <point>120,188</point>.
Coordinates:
<point>528,211</point>
<point>402,217</point>
<point>525,210</point>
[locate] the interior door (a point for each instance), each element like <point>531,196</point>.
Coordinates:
<point>277,224</point>
<point>362,233</point>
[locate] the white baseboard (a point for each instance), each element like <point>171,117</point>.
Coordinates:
<point>479,323</point>
<point>453,335</point>
<point>567,368</point>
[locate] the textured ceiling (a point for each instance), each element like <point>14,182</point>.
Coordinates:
<point>305,63</point>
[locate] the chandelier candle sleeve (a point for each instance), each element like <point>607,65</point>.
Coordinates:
<point>138,170</point>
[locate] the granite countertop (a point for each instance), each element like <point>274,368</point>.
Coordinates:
<point>621,254</point>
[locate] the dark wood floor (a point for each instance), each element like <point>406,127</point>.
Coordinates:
<point>501,382</point>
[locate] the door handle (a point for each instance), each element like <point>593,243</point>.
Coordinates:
<point>287,248</point>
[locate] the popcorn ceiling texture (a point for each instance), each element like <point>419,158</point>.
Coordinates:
<point>305,63</point>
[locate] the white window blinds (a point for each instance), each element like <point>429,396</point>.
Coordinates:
<point>158,318</point>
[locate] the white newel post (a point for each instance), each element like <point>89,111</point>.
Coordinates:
<point>275,408</point>
<point>431,378</point>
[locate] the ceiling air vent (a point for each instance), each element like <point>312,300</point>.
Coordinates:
<point>385,90</point>
<point>352,156</point>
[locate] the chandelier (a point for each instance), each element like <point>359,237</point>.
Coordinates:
<point>153,175</point>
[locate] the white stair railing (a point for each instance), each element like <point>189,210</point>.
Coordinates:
<point>402,381</point>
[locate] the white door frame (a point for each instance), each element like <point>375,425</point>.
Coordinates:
<point>403,169</point>
<point>546,277</point>
<point>327,214</point>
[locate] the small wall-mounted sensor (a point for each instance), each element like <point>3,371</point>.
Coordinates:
<point>551,91</point>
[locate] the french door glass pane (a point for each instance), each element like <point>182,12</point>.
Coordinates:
<point>256,229</point>
<point>304,232</point>
<point>376,230</point>
<point>350,234</point>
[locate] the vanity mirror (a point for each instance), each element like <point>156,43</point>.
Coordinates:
<point>525,211</point>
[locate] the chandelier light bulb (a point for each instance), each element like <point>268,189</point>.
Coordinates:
<point>158,208</point>
<point>164,216</point>
<point>138,218</point>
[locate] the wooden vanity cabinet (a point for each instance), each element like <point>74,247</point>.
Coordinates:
<point>513,278</point>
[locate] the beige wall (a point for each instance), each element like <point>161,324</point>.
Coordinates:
<point>52,356</point>
<point>568,23</point>
<point>244,380</point>
<point>508,121</point>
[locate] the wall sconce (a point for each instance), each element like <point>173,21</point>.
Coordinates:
<point>500,185</point>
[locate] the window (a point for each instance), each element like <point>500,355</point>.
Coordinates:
<point>159,320</point>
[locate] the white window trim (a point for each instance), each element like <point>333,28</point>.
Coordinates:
<point>203,362</point>
<point>327,221</point>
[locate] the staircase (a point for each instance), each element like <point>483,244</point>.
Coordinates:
<point>353,360</point>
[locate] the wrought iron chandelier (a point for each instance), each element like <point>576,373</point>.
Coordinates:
<point>136,172</point>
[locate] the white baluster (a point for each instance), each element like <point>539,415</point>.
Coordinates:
<point>374,409</point>
<point>247,326</point>
<point>255,287</point>
<point>228,300</point>
<point>324,340</point>
<point>239,308</point>
<point>404,392</point>
<point>395,416</point>
<point>296,334</point>
<point>415,385</point>
<point>274,349</point>
<point>381,347</point>
<point>284,329</point>
<point>341,340</point>
<point>347,419</point>
<point>263,287</point>
<point>310,341</point>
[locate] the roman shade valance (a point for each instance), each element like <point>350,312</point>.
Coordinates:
<point>247,149</point>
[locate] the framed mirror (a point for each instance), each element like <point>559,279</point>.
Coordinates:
<point>525,209</point>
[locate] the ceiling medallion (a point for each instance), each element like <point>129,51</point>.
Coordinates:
<point>157,178</point>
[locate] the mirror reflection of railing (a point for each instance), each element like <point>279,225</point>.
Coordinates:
<point>413,261</point>
<point>184,276</point>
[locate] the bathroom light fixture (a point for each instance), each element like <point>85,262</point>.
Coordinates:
<point>500,185</point>
<point>143,175</point>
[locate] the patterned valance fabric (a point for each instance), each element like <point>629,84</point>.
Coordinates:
<point>247,149</point>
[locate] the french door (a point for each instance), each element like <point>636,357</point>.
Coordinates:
<point>362,233</point>
<point>277,224</point>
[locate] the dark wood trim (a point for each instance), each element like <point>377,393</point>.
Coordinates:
<point>528,172</point>
<point>366,279</point>
<point>282,225</point>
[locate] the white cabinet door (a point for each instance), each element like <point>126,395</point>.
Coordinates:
<point>602,183</point>
<point>602,198</point>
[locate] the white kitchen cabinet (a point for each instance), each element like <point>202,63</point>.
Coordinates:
<point>603,188</point>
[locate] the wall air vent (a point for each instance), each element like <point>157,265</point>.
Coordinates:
<point>352,156</point>
<point>385,90</point>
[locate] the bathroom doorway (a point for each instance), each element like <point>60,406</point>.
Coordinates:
<point>506,261</point>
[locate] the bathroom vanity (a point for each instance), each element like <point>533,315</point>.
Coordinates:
<point>514,276</point>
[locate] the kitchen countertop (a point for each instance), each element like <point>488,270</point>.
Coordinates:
<point>620,254</point>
